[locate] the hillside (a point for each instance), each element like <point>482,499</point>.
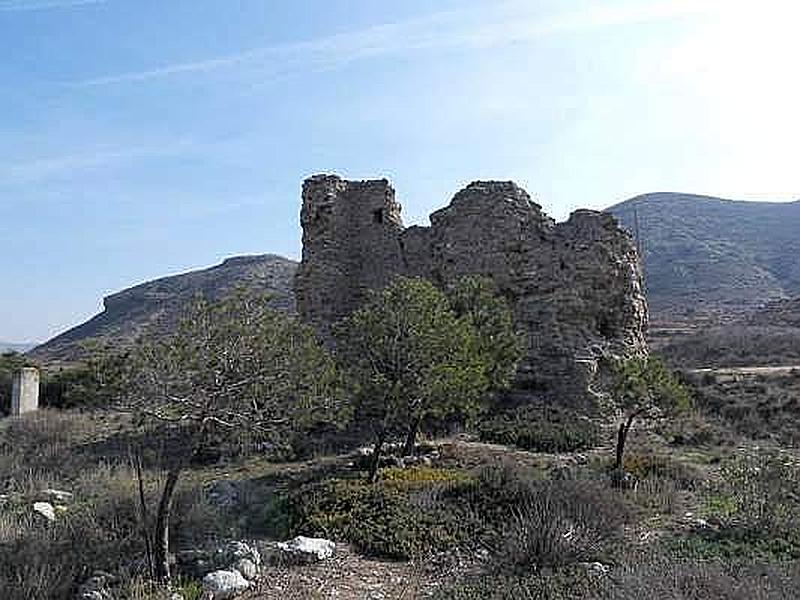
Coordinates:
<point>781,313</point>
<point>708,256</point>
<point>765,337</point>
<point>158,303</point>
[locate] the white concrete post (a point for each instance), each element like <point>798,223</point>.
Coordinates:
<point>25,393</point>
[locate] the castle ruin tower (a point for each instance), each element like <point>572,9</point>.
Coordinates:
<point>351,244</point>
<point>575,288</point>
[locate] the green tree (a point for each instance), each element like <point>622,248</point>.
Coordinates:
<point>408,357</point>
<point>498,342</point>
<point>234,366</point>
<point>83,384</point>
<point>644,388</point>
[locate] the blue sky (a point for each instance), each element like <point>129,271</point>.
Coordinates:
<point>140,138</point>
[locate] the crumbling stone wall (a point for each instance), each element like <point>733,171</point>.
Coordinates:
<point>351,243</point>
<point>575,287</point>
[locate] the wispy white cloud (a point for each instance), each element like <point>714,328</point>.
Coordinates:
<point>33,5</point>
<point>41,169</point>
<point>487,25</point>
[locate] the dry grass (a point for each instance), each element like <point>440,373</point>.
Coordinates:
<point>101,525</point>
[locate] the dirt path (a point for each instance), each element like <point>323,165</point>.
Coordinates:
<point>780,370</point>
<point>349,576</point>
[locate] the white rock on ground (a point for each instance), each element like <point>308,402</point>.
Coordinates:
<point>247,568</point>
<point>308,548</point>
<point>45,509</point>
<point>57,496</point>
<point>224,584</point>
<point>234,551</point>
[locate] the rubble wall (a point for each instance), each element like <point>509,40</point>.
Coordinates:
<point>575,287</point>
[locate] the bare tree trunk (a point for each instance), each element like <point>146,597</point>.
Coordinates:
<point>411,438</point>
<point>376,458</point>
<point>161,533</point>
<point>622,437</point>
<point>148,545</point>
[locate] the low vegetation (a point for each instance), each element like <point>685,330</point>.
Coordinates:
<point>760,406</point>
<point>540,429</point>
<point>527,503</point>
<point>735,346</point>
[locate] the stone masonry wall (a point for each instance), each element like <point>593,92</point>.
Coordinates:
<point>575,287</point>
<point>351,244</point>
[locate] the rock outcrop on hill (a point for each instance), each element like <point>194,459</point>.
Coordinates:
<point>159,303</point>
<point>709,258</point>
<point>575,287</point>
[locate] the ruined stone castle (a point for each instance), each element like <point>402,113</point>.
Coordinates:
<point>575,287</point>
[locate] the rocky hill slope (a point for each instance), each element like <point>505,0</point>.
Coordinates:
<point>709,256</point>
<point>159,303</point>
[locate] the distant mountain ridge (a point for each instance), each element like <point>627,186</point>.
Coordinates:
<point>159,303</point>
<point>704,256</point>
<point>710,256</point>
<point>15,347</point>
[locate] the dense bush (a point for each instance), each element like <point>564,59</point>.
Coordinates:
<point>80,386</point>
<point>645,466</point>
<point>378,519</point>
<point>561,523</point>
<point>541,431</point>
<point>526,522</point>
<point>531,523</point>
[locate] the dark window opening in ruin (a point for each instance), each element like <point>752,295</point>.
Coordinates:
<point>377,215</point>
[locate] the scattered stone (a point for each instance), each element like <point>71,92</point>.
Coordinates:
<point>305,549</point>
<point>224,584</point>
<point>45,509</point>
<point>596,568</point>
<point>96,587</point>
<point>236,550</point>
<point>235,555</point>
